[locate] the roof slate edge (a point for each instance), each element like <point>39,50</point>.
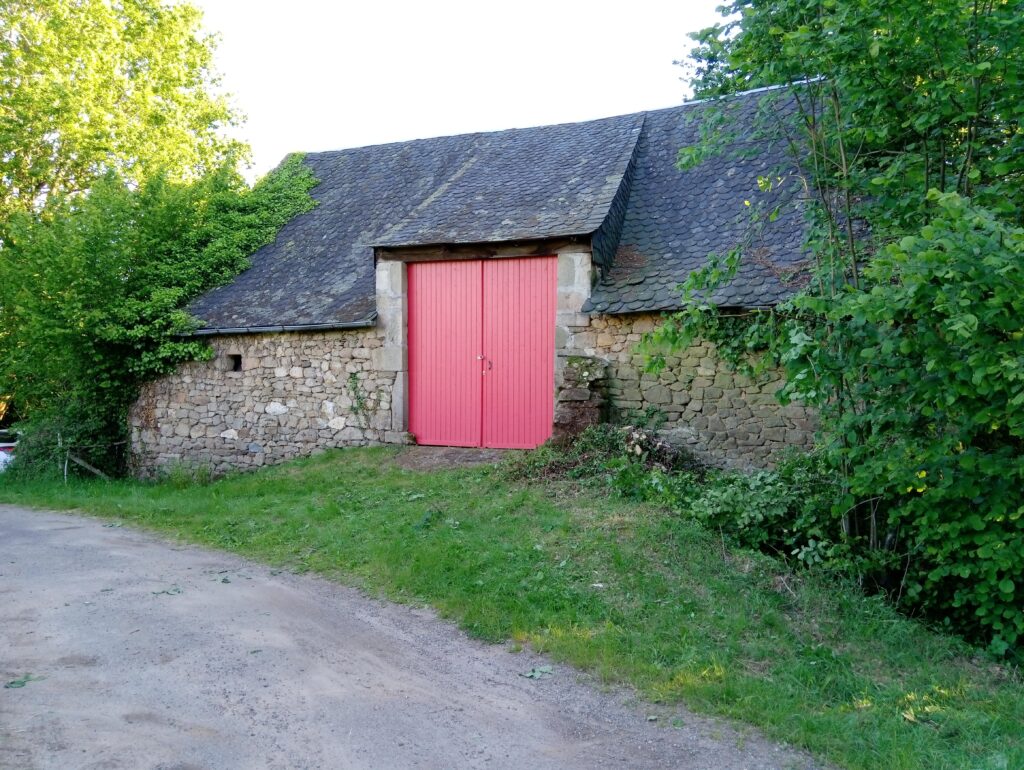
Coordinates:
<point>535,245</point>
<point>690,103</point>
<point>642,114</point>
<point>622,168</point>
<point>527,236</point>
<point>364,323</point>
<point>605,238</point>
<point>482,134</point>
<point>659,308</point>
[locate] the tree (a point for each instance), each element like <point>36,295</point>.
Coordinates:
<point>91,86</point>
<point>119,202</point>
<point>904,121</point>
<point>94,295</point>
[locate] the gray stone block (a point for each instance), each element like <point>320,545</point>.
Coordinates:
<point>657,394</point>
<point>574,394</point>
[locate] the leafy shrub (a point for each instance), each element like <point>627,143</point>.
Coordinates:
<point>633,480</point>
<point>754,508</point>
<point>918,376</point>
<point>67,427</point>
<point>786,511</point>
<point>93,294</point>
<point>908,334</point>
<point>920,379</point>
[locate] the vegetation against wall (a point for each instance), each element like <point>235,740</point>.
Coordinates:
<point>119,202</point>
<point>905,125</point>
<point>93,294</point>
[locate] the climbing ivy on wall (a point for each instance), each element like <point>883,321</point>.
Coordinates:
<point>93,293</point>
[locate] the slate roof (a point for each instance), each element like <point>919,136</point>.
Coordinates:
<point>615,178</point>
<point>507,185</point>
<point>675,219</point>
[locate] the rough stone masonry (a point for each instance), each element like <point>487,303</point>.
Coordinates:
<point>296,393</point>
<point>724,418</point>
<point>293,393</point>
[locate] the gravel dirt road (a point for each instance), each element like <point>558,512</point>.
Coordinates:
<point>150,654</point>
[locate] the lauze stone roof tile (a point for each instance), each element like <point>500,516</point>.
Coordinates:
<point>615,177</point>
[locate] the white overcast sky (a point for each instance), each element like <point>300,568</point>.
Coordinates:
<point>319,75</point>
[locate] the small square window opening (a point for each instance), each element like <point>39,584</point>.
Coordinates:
<point>236,362</point>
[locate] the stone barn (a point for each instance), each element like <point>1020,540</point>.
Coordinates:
<point>487,290</point>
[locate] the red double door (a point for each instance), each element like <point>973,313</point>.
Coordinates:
<point>481,352</point>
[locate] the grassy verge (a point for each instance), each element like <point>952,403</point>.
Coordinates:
<point>627,591</point>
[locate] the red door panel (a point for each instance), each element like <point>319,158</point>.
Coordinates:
<point>445,317</point>
<point>481,352</point>
<point>519,297</point>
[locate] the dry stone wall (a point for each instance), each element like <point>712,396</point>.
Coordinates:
<point>580,396</point>
<point>724,418</point>
<point>267,398</point>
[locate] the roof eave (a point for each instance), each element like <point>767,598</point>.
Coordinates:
<point>659,308</point>
<point>364,323</point>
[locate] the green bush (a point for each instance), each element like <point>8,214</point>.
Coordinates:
<point>93,291</point>
<point>68,426</point>
<point>920,380</point>
<point>907,334</point>
<point>786,512</point>
<point>931,426</point>
<point>918,376</point>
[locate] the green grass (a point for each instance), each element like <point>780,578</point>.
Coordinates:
<point>629,592</point>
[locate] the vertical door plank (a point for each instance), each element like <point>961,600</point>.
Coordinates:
<point>445,317</point>
<point>519,300</point>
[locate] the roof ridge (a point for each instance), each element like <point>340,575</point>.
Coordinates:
<point>475,136</point>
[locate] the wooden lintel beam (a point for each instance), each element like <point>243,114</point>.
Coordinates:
<point>481,250</point>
